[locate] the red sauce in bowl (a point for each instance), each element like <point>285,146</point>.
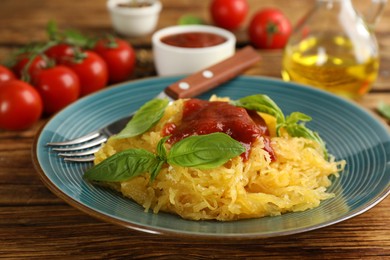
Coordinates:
<point>193,39</point>
<point>202,117</point>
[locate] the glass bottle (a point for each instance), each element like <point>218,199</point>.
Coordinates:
<point>334,48</point>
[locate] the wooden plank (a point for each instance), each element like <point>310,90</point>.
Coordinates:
<point>58,230</point>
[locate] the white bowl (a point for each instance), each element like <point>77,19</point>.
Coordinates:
<point>171,60</point>
<point>133,21</point>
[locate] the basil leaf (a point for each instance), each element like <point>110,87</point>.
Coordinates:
<point>123,165</point>
<point>295,117</point>
<point>384,109</point>
<point>292,119</point>
<point>204,151</point>
<point>144,119</point>
<point>261,103</point>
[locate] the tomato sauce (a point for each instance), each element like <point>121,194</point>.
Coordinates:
<point>193,39</point>
<point>202,117</point>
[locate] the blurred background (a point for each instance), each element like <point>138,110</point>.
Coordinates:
<point>23,22</point>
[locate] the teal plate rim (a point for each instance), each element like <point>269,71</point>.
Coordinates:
<point>351,133</point>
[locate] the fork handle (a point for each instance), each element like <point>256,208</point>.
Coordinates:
<point>213,76</point>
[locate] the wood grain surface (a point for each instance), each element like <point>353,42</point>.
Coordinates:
<point>35,224</point>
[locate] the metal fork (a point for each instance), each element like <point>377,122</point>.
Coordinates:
<point>82,149</point>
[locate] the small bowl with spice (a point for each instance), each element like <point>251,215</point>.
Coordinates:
<point>186,49</point>
<point>134,18</point>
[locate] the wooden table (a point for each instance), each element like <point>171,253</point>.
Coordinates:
<point>36,224</point>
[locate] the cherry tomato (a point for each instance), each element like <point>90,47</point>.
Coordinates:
<point>229,14</point>
<point>37,64</point>
<point>20,105</point>
<point>58,86</point>
<point>6,74</point>
<point>269,29</point>
<point>60,52</point>
<point>119,57</point>
<point>91,70</point>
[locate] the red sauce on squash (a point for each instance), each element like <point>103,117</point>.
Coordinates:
<point>202,117</point>
<point>193,39</point>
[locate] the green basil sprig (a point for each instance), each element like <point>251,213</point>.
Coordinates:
<point>202,152</point>
<point>144,119</point>
<point>294,124</point>
<point>260,103</point>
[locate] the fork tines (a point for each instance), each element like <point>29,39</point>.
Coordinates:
<point>81,149</point>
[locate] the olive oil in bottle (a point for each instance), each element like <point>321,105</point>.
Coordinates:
<point>334,48</point>
<point>339,68</point>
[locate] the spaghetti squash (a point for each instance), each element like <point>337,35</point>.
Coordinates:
<point>279,171</point>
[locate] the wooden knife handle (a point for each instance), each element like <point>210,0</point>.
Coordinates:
<point>213,76</point>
